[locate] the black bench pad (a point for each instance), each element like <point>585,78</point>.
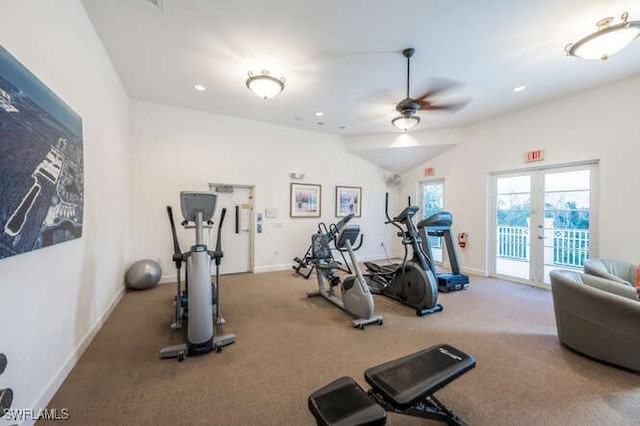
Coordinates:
<point>343,402</point>
<point>407,380</point>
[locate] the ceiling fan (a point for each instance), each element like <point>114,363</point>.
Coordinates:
<point>408,107</point>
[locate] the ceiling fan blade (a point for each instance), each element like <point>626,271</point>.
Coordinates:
<point>438,86</point>
<point>426,106</point>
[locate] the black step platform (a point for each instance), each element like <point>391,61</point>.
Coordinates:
<point>405,385</point>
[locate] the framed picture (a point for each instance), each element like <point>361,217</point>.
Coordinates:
<point>305,200</point>
<point>348,200</point>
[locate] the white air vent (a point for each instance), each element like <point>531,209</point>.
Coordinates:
<point>394,180</point>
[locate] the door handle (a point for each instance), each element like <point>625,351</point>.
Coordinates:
<point>237,218</point>
<point>540,237</point>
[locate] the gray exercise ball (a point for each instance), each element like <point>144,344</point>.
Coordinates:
<point>143,274</point>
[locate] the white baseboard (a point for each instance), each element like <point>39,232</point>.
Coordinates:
<point>56,381</point>
<point>475,271</point>
<point>273,268</point>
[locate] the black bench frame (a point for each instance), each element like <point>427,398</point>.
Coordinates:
<point>405,386</point>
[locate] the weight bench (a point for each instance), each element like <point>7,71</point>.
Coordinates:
<point>405,385</point>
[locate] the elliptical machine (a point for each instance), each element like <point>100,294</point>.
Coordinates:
<point>197,207</point>
<point>411,282</point>
<point>356,297</point>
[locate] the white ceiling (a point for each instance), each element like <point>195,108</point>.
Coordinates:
<point>342,57</point>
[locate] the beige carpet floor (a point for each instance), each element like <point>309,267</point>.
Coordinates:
<point>289,345</point>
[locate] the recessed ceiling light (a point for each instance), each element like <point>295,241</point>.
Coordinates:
<point>199,87</point>
<point>519,89</point>
<point>319,114</point>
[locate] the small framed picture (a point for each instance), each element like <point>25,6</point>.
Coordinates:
<point>305,200</point>
<point>348,200</point>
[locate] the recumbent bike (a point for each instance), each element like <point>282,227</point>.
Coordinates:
<point>356,297</point>
<point>303,265</point>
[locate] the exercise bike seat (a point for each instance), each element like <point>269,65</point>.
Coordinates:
<point>405,381</point>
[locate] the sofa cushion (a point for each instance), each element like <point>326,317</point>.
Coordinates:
<point>615,287</point>
<point>614,270</point>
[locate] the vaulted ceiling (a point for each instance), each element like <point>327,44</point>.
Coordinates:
<point>343,57</point>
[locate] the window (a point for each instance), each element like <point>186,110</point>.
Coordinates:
<point>433,202</point>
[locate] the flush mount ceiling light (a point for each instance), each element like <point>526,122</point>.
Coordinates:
<point>405,122</point>
<point>265,85</point>
<point>607,40</point>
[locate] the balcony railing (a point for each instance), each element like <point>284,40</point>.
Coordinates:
<point>569,247</point>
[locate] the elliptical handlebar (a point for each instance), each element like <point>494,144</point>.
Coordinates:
<point>218,253</point>
<point>386,213</point>
<point>218,239</point>
<point>177,252</point>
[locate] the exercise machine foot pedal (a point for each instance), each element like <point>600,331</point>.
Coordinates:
<point>405,385</point>
<point>426,311</point>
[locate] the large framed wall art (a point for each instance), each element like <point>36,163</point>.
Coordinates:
<point>41,163</point>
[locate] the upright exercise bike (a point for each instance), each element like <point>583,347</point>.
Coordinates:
<point>199,208</point>
<point>411,282</point>
<point>355,297</point>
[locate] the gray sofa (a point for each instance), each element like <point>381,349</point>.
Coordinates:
<point>615,270</point>
<point>597,317</point>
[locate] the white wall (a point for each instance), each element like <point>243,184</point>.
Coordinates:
<point>600,124</point>
<point>176,149</point>
<point>54,298</point>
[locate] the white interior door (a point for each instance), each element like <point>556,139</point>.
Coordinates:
<point>237,229</point>
<point>542,220</point>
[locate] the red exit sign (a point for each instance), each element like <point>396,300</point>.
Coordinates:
<point>537,155</point>
<point>430,171</point>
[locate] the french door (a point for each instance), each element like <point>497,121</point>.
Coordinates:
<point>542,220</point>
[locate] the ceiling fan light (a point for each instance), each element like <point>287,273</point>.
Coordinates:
<point>405,122</point>
<point>607,40</point>
<point>264,85</point>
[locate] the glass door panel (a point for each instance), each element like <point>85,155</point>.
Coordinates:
<point>567,211</point>
<point>513,221</point>
<point>433,202</point>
